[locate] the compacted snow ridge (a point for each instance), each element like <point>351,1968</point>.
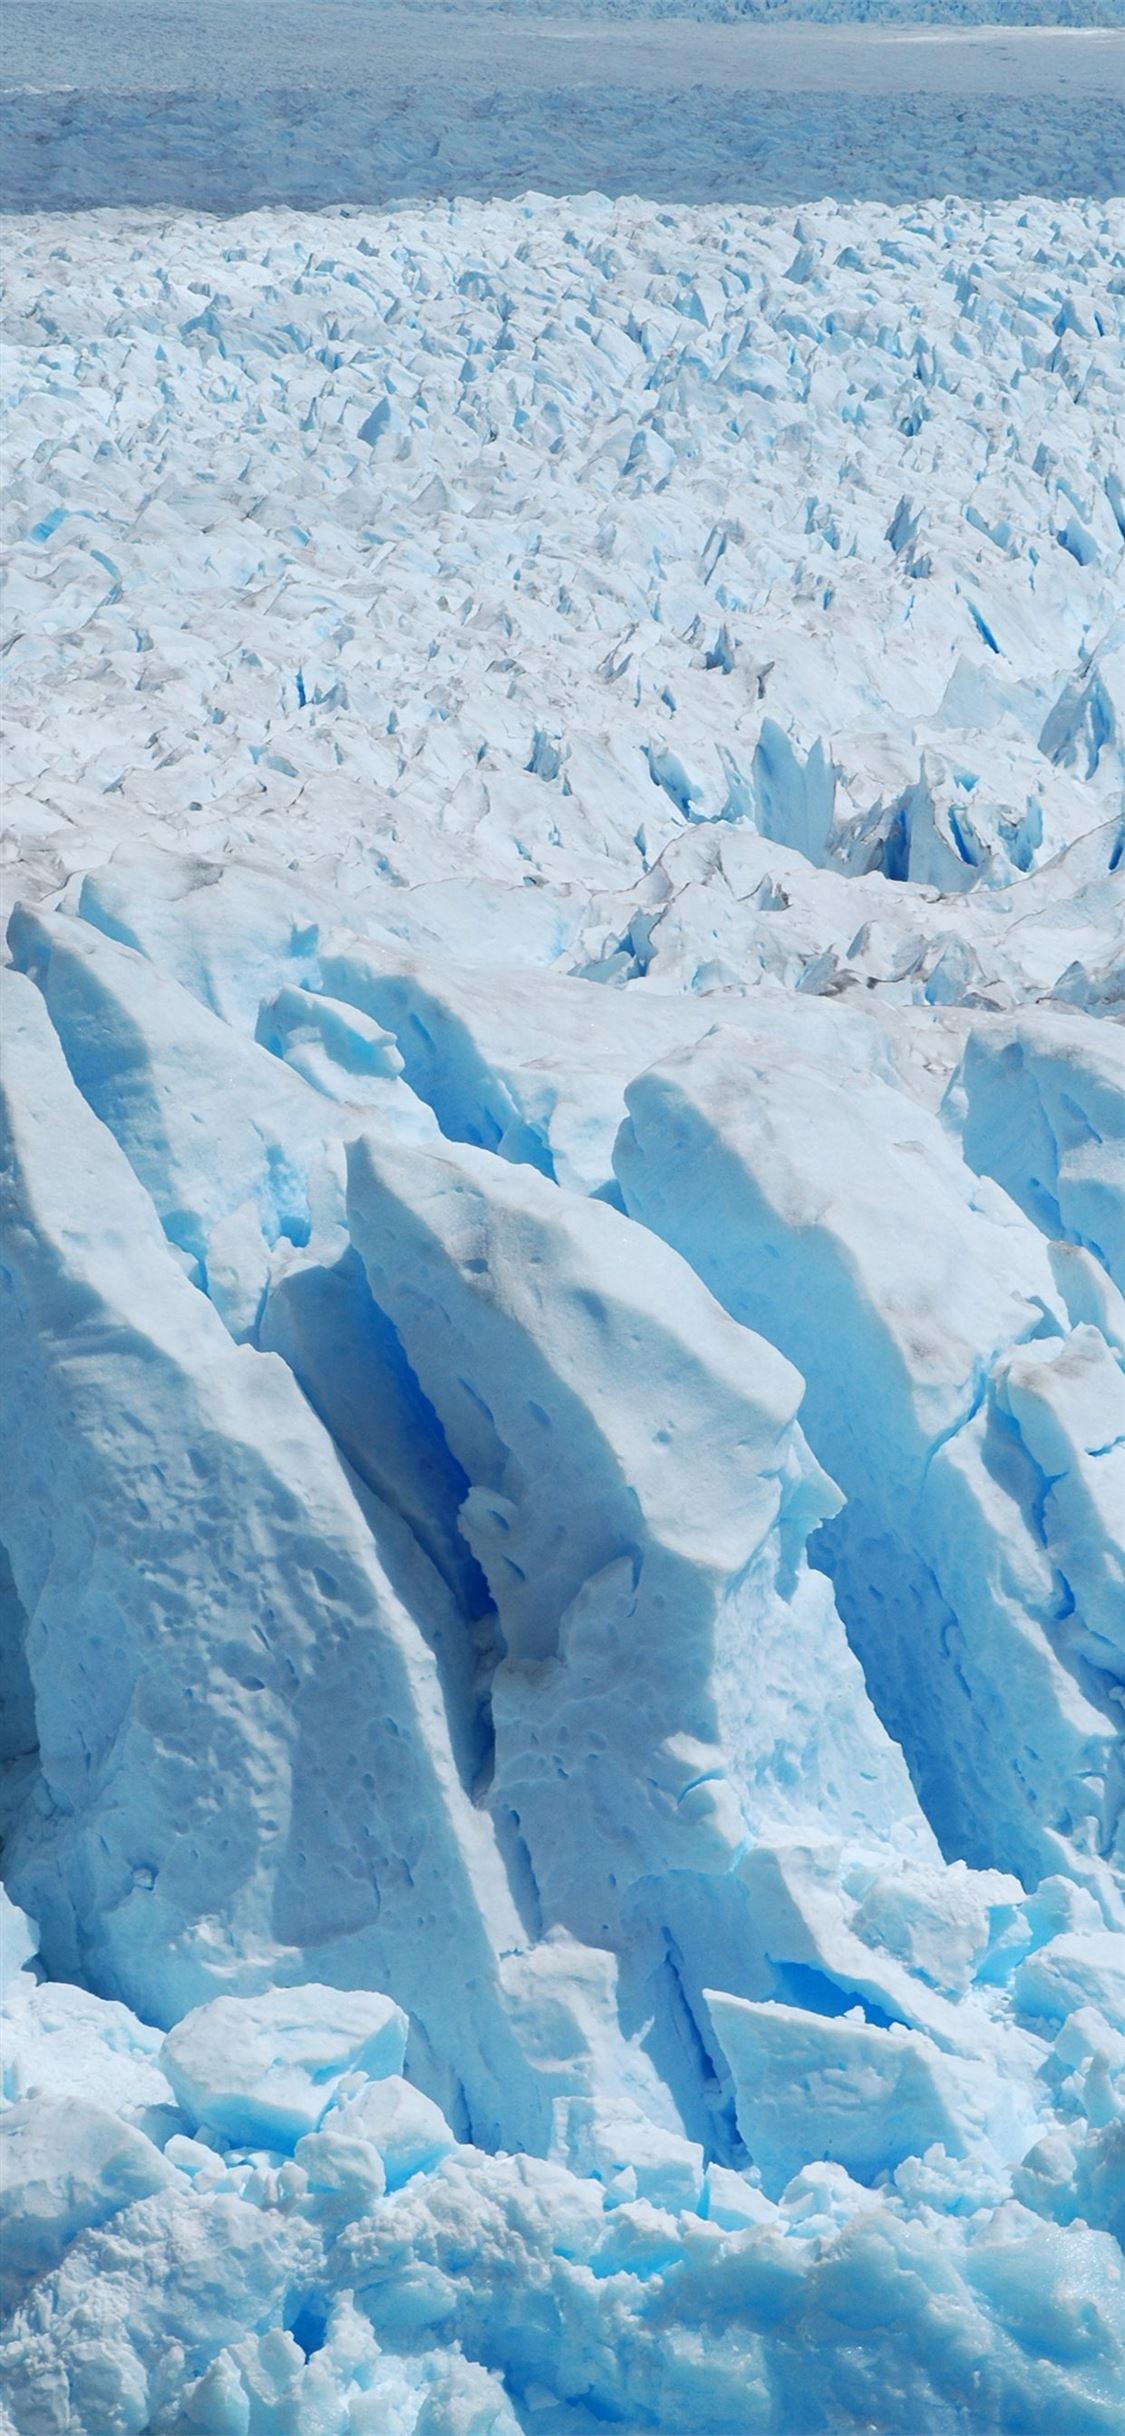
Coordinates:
<point>562,1299</point>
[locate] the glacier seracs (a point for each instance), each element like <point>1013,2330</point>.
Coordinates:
<point>561,1585</point>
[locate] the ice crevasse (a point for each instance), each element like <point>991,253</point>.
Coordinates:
<point>562,1841</point>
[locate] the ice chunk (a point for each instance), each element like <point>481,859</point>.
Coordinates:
<point>1070,1972</point>
<point>632,2156</point>
<point>231,934</point>
<point>138,2308</point>
<point>344,2169</point>
<point>1067,1401</point>
<point>580,1390</point>
<point>407,2130</point>
<point>638,1498</point>
<point>268,2381</point>
<point>65,2164</point>
<point>63,2041</point>
<point>564,2000</point>
<point>734,2202</point>
<point>533,1067</point>
<point>1041,1102</point>
<point>336,1048</point>
<point>802,1206</point>
<point>1089,1294</point>
<point>631,1457</point>
<point>809,2085</point>
<point>165,1075</point>
<point>261,2070</point>
<point>193,1748</point>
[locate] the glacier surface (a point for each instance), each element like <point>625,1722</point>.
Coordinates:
<point>561,1644</point>
<point>224,105</point>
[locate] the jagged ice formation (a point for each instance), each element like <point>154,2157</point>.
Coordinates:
<point>561,1641</point>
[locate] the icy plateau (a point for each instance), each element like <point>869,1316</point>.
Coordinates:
<point>562,1627</point>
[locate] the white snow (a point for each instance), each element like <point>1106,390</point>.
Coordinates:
<point>561,1570</point>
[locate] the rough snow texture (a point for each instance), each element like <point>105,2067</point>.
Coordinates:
<point>561,1595</point>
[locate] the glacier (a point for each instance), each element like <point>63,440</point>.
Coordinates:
<point>226,105</point>
<point>562,1267</point>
